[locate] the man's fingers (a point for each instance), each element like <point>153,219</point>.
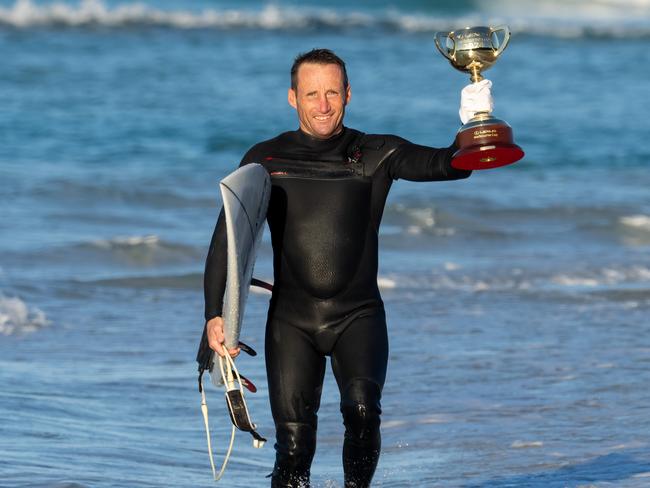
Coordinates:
<point>220,349</point>
<point>216,338</point>
<point>216,347</point>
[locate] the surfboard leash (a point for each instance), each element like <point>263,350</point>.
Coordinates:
<point>204,411</point>
<point>237,409</point>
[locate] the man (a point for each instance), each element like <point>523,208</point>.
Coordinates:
<point>329,187</point>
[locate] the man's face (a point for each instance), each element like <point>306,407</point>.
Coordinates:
<point>320,99</point>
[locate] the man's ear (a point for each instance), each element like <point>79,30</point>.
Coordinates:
<point>348,94</point>
<point>291,98</point>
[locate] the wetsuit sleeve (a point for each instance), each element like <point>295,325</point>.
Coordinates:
<point>214,277</point>
<point>413,162</point>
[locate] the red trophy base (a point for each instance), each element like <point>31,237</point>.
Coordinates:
<point>485,142</point>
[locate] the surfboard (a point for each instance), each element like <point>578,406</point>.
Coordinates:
<point>245,193</point>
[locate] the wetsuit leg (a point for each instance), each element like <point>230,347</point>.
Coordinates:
<point>295,371</point>
<point>359,361</point>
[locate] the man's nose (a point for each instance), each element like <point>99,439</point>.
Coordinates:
<point>324,104</point>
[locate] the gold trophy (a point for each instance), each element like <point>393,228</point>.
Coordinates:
<point>484,141</point>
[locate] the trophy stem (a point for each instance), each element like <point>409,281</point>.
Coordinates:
<point>476,74</point>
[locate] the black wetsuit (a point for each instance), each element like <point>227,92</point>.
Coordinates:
<point>326,205</point>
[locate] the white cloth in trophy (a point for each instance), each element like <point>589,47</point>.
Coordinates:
<point>475,97</point>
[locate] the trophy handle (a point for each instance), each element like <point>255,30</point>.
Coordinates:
<point>445,51</point>
<point>506,38</point>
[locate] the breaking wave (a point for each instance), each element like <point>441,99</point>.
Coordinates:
<point>552,18</point>
<point>136,251</point>
<point>148,250</point>
<point>604,277</point>
<point>188,281</point>
<point>608,283</point>
<point>403,219</point>
<point>17,318</point>
<point>76,193</point>
<point>637,222</point>
<point>611,284</point>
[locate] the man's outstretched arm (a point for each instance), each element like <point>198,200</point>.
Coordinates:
<point>421,163</point>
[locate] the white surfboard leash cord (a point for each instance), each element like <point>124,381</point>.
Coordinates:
<point>204,410</point>
<point>237,409</point>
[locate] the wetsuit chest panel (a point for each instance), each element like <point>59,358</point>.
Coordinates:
<point>319,226</point>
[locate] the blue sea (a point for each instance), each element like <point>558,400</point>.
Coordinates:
<point>518,300</point>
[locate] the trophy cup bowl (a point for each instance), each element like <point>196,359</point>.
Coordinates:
<point>484,141</point>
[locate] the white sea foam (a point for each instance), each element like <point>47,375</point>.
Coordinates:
<point>425,217</point>
<point>526,444</point>
<point>604,277</point>
<point>453,277</point>
<point>428,419</point>
<point>26,13</point>
<point>16,317</point>
<point>566,280</point>
<point>392,424</point>
<point>435,419</point>
<point>477,284</point>
<point>420,220</point>
<point>135,250</point>
<point>128,241</point>
<point>546,17</point>
<point>591,10</point>
<point>452,280</point>
<point>641,222</point>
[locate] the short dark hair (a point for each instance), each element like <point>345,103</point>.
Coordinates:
<point>318,56</point>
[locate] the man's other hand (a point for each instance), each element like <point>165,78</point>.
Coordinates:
<point>216,338</point>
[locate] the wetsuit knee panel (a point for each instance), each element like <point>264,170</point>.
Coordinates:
<point>362,391</point>
<point>361,408</point>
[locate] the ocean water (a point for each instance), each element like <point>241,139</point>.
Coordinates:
<point>518,300</point>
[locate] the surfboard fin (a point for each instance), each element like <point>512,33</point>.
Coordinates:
<point>245,382</point>
<point>247,349</point>
<point>248,384</point>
